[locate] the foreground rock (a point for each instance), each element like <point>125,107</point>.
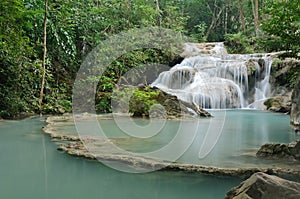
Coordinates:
<point>295,112</point>
<point>261,185</point>
<point>289,151</point>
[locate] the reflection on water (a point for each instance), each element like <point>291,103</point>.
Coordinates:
<point>31,167</point>
<point>242,132</point>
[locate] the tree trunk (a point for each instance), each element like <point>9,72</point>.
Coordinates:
<point>226,20</point>
<point>255,14</point>
<point>256,17</point>
<point>158,16</point>
<point>44,58</point>
<point>242,15</point>
<point>215,17</point>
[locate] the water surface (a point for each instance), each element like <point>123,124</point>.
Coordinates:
<point>231,137</point>
<point>31,167</point>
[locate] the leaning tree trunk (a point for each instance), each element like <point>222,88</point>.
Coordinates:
<point>44,58</point>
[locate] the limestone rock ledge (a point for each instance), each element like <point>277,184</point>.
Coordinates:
<point>261,185</point>
<point>295,112</point>
<point>78,149</point>
<point>100,149</point>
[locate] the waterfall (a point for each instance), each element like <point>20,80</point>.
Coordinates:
<point>262,88</point>
<point>218,80</point>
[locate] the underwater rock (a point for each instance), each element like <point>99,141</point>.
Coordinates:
<point>261,185</point>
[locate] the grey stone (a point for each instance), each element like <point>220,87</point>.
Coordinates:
<point>280,151</point>
<point>295,112</point>
<point>264,186</point>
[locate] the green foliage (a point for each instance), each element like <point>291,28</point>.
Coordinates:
<point>282,22</point>
<point>172,16</point>
<point>199,33</point>
<point>75,27</point>
<point>142,100</point>
<point>293,79</point>
<point>289,78</point>
<point>133,62</point>
<point>137,101</point>
<point>238,43</point>
<point>57,101</point>
<point>103,103</point>
<point>17,71</point>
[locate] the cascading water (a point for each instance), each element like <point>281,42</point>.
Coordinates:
<point>218,81</point>
<point>262,88</point>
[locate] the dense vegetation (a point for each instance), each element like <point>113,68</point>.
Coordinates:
<point>34,80</point>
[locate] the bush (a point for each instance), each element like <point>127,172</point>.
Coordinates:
<point>137,101</point>
<point>141,101</point>
<point>238,43</point>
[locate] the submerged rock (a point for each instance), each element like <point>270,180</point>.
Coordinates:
<point>261,185</point>
<point>280,151</point>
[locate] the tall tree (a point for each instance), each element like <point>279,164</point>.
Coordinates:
<point>44,56</point>
<point>254,4</point>
<point>242,16</point>
<point>158,16</point>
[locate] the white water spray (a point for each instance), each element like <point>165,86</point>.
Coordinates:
<point>217,81</point>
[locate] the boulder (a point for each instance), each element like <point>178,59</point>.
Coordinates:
<point>264,186</point>
<point>168,106</point>
<point>295,111</point>
<point>281,103</point>
<point>280,151</point>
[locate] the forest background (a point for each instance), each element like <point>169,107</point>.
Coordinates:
<point>43,42</point>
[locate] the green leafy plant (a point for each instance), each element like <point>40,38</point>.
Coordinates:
<point>238,43</point>
<point>141,101</point>
<point>282,22</point>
